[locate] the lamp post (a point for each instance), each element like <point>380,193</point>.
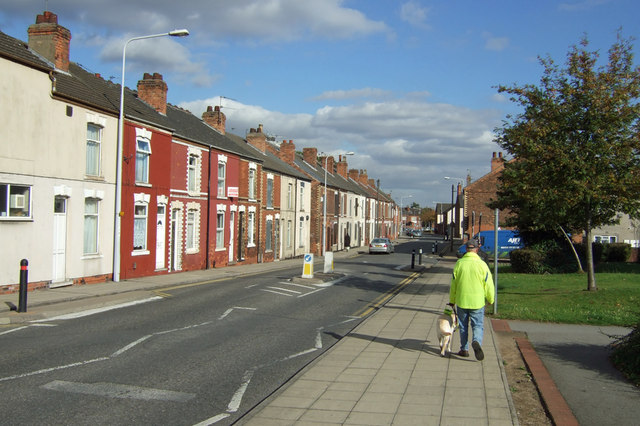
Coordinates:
<point>401,216</point>
<point>118,206</point>
<point>324,203</point>
<point>453,209</point>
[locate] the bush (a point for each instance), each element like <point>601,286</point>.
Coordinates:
<point>617,252</point>
<point>625,355</point>
<point>525,261</point>
<point>596,248</point>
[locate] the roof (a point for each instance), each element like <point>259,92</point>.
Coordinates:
<point>18,51</point>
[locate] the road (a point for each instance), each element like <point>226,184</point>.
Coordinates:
<point>193,354</point>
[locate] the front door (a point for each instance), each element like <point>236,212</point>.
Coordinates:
<point>59,239</point>
<point>232,216</point>
<point>160,237</point>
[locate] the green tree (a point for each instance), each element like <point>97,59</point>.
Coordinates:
<point>575,145</point>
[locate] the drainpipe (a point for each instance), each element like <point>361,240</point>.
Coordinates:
<point>208,210</point>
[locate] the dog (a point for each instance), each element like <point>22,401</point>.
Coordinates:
<point>447,324</point>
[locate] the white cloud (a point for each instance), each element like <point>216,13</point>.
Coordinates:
<point>413,13</point>
<point>495,43</point>
<point>410,145</point>
<point>367,92</point>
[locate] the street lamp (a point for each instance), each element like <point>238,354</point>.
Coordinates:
<point>118,207</point>
<point>401,216</point>
<point>324,207</point>
<point>453,209</point>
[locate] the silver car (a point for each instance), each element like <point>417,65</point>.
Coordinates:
<point>381,245</point>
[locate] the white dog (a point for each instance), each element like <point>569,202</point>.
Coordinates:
<point>447,324</point>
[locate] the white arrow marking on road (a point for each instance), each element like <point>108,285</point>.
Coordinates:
<point>228,311</point>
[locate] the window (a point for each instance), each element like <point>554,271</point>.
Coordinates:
<point>143,151</point>
<point>301,196</point>
<point>191,230</point>
<point>251,228</point>
<point>301,232</point>
<point>220,230</point>
<point>605,238</point>
<point>252,184</point>
<point>268,242</point>
<point>90,226</point>
<point>192,169</point>
<point>140,226</point>
<point>15,201</point>
<point>290,196</point>
<point>270,192</point>
<point>289,242</point>
<point>94,135</point>
<point>222,172</point>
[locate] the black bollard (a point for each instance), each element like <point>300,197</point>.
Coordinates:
<point>419,256</point>
<point>413,258</point>
<point>433,247</point>
<point>22,303</point>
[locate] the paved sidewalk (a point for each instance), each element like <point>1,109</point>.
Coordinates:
<point>388,371</point>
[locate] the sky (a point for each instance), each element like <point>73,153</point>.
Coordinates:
<point>408,86</point>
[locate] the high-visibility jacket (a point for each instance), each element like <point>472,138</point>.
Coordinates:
<point>472,283</point>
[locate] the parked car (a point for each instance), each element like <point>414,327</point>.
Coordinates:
<point>381,245</point>
<point>416,233</point>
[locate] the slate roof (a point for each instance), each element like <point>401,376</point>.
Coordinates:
<point>269,160</point>
<point>189,127</point>
<point>18,51</point>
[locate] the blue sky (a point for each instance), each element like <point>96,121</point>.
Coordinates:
<point>409,86</point>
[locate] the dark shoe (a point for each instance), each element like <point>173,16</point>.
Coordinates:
<point>477,349</point>
<point>463,353</point>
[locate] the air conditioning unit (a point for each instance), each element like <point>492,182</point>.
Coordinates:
<point>18,201</point>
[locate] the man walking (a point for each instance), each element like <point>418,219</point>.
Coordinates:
<point>471,289</point>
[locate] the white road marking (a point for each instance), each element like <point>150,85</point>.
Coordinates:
<point>285,289</point>
<point>114,390</point>
<point>311,292</point>
<point>98,310</point>
<point>48,370</point>
<point>228,311</point>
<point>276,292</point>
<point>234,404</point>
<point>298,285</point>
<point>12,330</point>
<point>130,345</point>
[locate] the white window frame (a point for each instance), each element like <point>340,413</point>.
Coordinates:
<point>15,202</point>
<point>290,196</point>
<point>252,183</point>
<point>222,167</point>
<point>220,222</point>
<point>269,191</point>
<point>91,227</point>
<point>301,196</point>
<point>93,146</point>
<point>251,226</point>
<point>140,224</point>
<point>193,173</point>
<point>301,233</point>
<point>143,160</point>
<point>289,241</point>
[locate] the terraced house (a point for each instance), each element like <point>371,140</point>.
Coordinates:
<point>192,195</point>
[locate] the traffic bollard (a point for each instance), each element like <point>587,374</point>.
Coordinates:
<point>22,303</point>
<point>433,247</point>
<point>413,258</point>
<point>419,256</point>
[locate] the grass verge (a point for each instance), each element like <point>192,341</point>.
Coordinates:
<point>563,298</point>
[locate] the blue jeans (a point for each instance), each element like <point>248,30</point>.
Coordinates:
<point>476,318</point>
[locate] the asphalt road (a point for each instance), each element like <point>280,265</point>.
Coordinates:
<point>193,354</point>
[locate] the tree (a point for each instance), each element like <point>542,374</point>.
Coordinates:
<point>575,146</point>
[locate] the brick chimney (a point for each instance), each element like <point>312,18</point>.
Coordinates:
<point>310,155</point>
<point>364,178</point>
<point>257,138</point>
<point>497,162</point>
<point>153,90</point>
<point>354,175</point>
<point>215,118</point>
<point>50,40</point>
<point>287,152</point>
<point>341,166</point>
<point>330,164</point>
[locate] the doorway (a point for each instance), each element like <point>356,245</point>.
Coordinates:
<point>59,239</point>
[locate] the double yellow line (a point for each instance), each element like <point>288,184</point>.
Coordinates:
<point>382,299</point>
